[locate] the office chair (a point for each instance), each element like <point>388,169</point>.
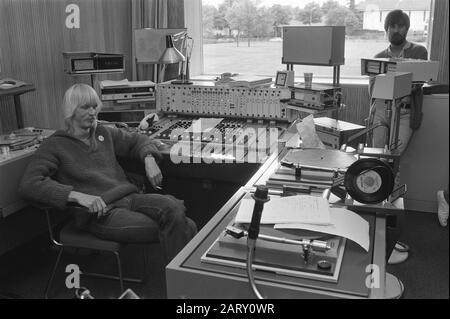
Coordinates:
<point>73,237</point>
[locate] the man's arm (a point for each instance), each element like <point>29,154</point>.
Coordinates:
<point>153,172</point>
<point>133,145</point>
<point>141,147</point>
<point>421,53</point>
<point>37,183</point>
<point>94,204</point>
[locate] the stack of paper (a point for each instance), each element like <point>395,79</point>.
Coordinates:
<point>344,223</point>
<point>309,213</point>
<point>125,83</point>
<point>285,210</point>
<point>248,81</point>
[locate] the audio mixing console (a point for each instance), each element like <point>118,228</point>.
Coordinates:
<point>207,123</point>
<point>222,139</point>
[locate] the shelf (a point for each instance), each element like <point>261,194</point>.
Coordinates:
<point>17,90</point>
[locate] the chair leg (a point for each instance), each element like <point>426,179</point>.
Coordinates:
<point>119,268</point>
<point>145,257</point>
<point>50,280</point>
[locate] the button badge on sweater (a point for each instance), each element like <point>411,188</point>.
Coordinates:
<point>101,138</point>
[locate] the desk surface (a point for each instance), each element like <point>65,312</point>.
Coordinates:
<point>12,167</point>
<point>186,270</point>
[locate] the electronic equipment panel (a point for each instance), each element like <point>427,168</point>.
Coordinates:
<point>209,100</point>
<point>220,139</point>
<point>131,91</point>
<point>317,97</point>
<point>278,256</point>
<point>314,45</point>
<point>91,62</point>
<point>422,70</point>
<point>333,133</point>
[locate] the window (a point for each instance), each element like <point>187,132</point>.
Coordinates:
<point>242,36</point>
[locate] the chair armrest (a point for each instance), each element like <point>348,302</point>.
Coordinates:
<point>73,207</point>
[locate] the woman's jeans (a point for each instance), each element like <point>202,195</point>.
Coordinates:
<point>147,218</point>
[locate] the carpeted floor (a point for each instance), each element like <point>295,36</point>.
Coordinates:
<point>24,271</point>
<point>425,273</point>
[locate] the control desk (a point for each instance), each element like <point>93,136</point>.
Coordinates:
<point>204,123</point>
<point>187,269</point>
<point>217,140</point>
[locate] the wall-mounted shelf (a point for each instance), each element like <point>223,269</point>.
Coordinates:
<point>16,91</point>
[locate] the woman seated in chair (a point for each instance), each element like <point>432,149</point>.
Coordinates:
<point>78,165</point>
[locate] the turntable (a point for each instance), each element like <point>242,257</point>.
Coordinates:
<point>297,253</point>
<point>368,186</point>
<point>310,170</point>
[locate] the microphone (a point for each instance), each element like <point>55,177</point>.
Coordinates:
<point>260,197</point>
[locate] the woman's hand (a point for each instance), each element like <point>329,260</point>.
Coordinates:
<point>94,204</point>
<point>153,172</point>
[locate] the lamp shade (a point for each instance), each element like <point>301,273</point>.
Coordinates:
<point>171,54</point>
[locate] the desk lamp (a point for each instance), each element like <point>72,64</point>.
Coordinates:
<point>184,76</point>
<point>173,55</point>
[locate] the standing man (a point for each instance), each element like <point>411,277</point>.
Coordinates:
<point>396,26</point>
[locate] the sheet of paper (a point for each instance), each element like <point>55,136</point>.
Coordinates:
<point>294,141</point>
<point>141,83</point>
<point>125,82</point>
<point>112,83</point>
<point>344,223</point>
<point>204,125</point>
<point>291,209</point>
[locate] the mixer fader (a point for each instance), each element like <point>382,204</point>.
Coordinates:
<point>213,123</point>
<point>218,139</point>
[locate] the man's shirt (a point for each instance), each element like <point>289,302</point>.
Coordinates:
<point>409,51</point>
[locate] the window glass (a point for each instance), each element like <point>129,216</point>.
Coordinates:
<point>245,36</point>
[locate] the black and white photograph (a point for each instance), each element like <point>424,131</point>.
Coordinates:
<point>224,157</point>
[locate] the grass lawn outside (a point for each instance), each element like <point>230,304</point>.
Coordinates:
<point>264,58</point>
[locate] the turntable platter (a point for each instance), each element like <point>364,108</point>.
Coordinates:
<point>323,159</point>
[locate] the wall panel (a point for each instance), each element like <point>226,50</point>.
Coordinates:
<point>356,98</point>
<point>439,41</point>
<point>33,36</point>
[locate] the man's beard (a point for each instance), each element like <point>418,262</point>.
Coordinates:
<point>397,39</point>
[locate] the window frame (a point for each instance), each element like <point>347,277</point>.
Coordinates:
<point>193,18</point>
